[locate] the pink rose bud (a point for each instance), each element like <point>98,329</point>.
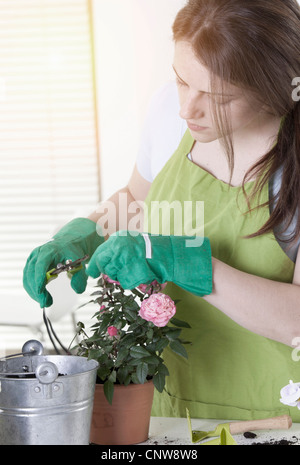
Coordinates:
<point>102,309</point>
<point>107,278</point>
<point>112,330</point>
<point>143,287</point>
<point>158,308</point>
<point>147,287</point>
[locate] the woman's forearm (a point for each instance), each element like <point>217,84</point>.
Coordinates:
<point>268,308</point>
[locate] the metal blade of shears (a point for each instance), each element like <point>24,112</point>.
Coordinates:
<point>69,266</point>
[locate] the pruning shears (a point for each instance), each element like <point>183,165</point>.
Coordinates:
<point>69,266</point>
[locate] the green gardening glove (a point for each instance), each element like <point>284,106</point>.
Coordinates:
<point>133,259</point>
<point>75,240</point>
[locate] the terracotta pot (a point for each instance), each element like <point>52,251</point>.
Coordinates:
<point>127,420</point>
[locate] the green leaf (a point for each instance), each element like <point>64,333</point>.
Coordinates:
<point>152,360</point>
<point>161,344</point>
<point>94,354</point>
<point>127,380</point>
<point>105,322</point>
<point>112,377</point>
<point>122,354</point>
<point>134,378</point>
<point>142,372</point>
<point>151,370</point>
<point>95,338</point>
<point>139,352</point>
<point>179,323</point>
<point>134,326</point>
<point>137,293</point>
<point>178,348</point>
<point>128,340</point>
<point>86,303</point>
<point>173,333</point>
<point>103,359</point>
<point>149,334</point>
<point>97,293</point>
<point>108,388</point>
<point>130,315</point>
<point>103,372</point>
<point>134,362</point>
<point>163,370</point>
<point>159,381</point>
<point>122,373</point>
<point>132,306</point>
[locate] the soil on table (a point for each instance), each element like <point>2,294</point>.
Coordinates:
<point>272,442</point>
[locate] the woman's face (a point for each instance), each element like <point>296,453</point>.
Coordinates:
<point>195,97</point>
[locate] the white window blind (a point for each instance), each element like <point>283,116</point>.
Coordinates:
<point>48,138</point>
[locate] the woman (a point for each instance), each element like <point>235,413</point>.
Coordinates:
<point>239,287</point>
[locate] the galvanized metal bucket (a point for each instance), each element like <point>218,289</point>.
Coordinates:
<point>46,399</point>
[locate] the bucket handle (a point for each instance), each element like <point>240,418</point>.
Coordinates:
<point>46,372</point>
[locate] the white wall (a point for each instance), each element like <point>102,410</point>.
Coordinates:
<point>134,53</point>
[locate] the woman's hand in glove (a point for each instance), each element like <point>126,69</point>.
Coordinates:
<point>133,259</point>
<point>75,240</point>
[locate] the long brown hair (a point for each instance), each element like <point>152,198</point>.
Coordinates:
<point>254,45</point>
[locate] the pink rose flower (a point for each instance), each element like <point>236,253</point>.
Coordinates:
<point>158,308</point>
<point>107,278</point>
<point>102,309</point>
<point>112,330</point>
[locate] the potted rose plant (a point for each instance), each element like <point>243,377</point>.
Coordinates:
<point>128,337</point>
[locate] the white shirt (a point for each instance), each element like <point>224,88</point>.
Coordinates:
<point>162,133</point>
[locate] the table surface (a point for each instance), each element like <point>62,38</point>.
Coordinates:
<point>174,431</point>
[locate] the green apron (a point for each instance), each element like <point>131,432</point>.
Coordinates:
<point>231,373</point>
